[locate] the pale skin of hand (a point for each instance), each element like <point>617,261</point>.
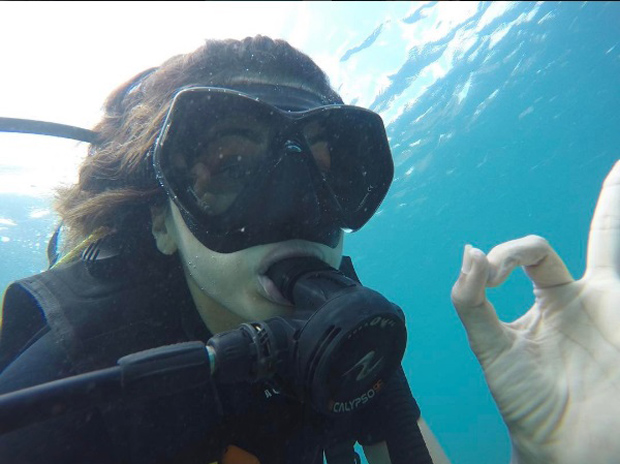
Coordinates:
<point>554,372</point>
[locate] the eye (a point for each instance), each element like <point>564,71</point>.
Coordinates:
<point>235,167</point>
<point>233,156</point>
<point>321,151</point>
<point>320,146</point>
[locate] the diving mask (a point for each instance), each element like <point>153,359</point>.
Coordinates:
<point>244,172</point>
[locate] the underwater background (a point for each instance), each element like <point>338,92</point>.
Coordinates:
<point>503,119</point>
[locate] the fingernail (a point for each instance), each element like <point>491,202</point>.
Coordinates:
<point>476,259</point>
<point>466,267</point>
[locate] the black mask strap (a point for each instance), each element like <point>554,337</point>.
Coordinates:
<point>284,97</point>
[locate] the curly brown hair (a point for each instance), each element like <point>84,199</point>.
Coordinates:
<point>116,183</point>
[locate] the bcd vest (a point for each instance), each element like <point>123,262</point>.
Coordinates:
<point>110,304</point>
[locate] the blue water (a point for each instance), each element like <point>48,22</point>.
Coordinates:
<point>514,139</point>
<point>532,161</point>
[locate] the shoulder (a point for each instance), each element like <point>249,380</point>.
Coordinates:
<point>39,362</point>
<point>97,312</point>
<point>24,318</point>
<point>22,321</point>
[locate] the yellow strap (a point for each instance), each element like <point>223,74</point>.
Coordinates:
<point>77,250</point>
<point>235,455</point>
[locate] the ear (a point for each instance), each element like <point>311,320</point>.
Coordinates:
<point>163,237</point>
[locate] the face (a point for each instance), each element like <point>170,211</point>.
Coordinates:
<point>231,288</point>
<point>213,163</point>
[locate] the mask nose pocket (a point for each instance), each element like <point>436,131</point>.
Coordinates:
<point>290,192</point>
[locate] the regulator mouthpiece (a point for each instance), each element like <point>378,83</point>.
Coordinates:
<point>352,342</point>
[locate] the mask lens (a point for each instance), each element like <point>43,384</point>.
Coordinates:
<point>350,149</point>
<point>316,136</point>
<point>214,150</point>
<point>221,166</point>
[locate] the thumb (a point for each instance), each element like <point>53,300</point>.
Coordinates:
<point>487,335</point>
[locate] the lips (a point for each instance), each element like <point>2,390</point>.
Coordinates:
<point>268,287</point>
<point>271,292</point>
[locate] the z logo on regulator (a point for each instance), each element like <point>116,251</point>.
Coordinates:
<point>364,363</point>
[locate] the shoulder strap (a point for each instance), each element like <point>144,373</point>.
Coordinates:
<point>48,289</point>
<point>21,321</point>
<point>99,312</point>
<point>346,267</point>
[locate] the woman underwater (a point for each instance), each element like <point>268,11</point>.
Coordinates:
<point>205,173</point>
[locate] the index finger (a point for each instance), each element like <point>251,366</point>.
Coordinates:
<point>604,239</point>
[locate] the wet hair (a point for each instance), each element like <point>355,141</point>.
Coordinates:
<point>116,185</point>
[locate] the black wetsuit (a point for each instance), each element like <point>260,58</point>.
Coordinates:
<point>99,312</point>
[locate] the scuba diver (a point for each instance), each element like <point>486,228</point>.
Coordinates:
<point>198,308</point>
<point>211,209</point>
